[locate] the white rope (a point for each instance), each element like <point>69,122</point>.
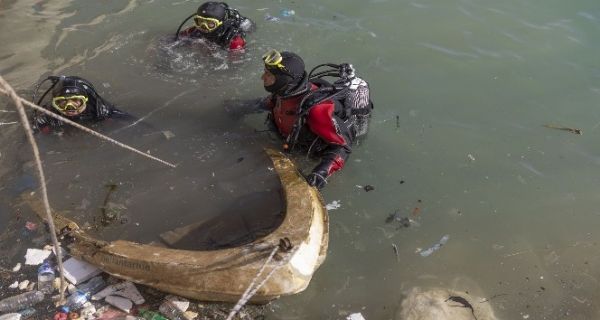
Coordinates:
<point>78,126</point>
<point>36,152</point>
<point>252,289</point>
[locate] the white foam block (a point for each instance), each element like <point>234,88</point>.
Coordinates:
<point>35,257</point>
<point>77,271</point>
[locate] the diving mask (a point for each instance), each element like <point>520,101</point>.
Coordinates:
<point>70,105</point>
<point>273,58</point>
<point>206,24</point>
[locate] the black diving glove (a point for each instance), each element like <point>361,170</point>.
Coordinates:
<point>316,179</point>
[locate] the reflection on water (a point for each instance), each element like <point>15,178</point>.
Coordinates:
<point>462,90</point>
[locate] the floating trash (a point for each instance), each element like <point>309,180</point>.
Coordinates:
<point>271,18</point>
<point>336,204</point>
<point>435,247</point>
<point>287,12</point>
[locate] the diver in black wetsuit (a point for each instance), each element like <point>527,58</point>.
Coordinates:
<point>218,23</point>
<point>74,98</point>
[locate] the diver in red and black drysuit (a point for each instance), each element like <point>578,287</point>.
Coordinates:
<point>75,99</point>
<point>307,115</point>
<point>220,24</point>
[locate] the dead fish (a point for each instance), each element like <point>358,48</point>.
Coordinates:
<point>464,303</point>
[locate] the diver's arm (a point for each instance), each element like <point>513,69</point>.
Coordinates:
<point>333,160</point>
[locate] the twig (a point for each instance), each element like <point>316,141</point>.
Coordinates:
<point>571,130</point>
<point>36,152</point>
<point>78,126</point>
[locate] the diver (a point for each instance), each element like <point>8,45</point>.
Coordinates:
<point>74,98</point>
<point>218,23</point>
<point>320,117</point>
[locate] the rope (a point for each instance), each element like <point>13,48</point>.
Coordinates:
<point>36,152</point>
<point>252,288</point>
<point>245,297</point>
<point>77,125</point>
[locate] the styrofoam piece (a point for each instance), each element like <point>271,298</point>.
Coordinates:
<point>355,316</point>
<point>35,257</point>
<point>14,285</point>
<point>124,289</point>
<point>23,285</point>
<point>179,302</point>
<point>17,267</point>
<point>120,303</point>
<point>77,271</point>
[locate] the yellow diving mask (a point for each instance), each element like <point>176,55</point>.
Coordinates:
<point>273,59</point>
<point>70,105</point>
<point>206,24</point>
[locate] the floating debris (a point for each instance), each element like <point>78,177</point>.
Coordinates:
<point>369,188</point>
<point>463,303</point>
<point>571,130</point>
<point>396,252</point>
<point>168,134</point>
<point>435,247</point>
<point>335,204</point>
<point>271,18</point>
<point>35,257</point>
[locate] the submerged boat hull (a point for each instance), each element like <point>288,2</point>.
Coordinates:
<point>223,275</point>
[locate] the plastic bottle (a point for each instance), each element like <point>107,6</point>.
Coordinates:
<point>287,12</point>
<point>151,315</point>
<point>77,300</point>
<point>22,301</point>
<point>93,285</point>
<point>171,311</point>
<point>46,278</point>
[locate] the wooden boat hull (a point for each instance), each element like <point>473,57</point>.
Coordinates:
<point>223,275</point>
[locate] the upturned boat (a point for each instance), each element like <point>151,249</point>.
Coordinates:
<point>300,246</point>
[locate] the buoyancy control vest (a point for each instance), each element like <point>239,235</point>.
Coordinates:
<point>350,94</point>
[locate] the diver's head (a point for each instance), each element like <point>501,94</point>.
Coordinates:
<point>70,97</point>
<point>283,70</point>
<point>210,16</point>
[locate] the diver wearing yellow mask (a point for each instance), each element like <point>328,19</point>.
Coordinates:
<point>74,98</point>
<point>219,24</point>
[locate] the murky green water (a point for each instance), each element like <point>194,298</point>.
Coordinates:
<point>462,90</point>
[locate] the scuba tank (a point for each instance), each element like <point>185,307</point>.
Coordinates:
<point>349,90</point>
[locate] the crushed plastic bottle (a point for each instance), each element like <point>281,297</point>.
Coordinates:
<point>171,311</point>
<point>77,300</point>
<point>151,315</point>
<point>93,285</point>
<point>46,278</point>
<point>287,12</point>
<point>22,301</point>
